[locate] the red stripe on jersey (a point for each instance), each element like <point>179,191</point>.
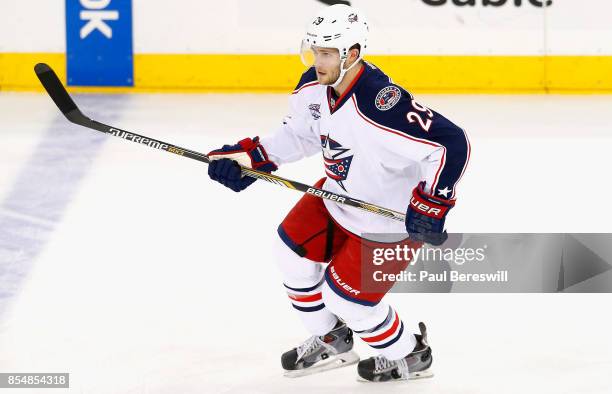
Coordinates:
<point>469,152</point>
<point>392,130</point>
<point>306,85</point>
<point>338,102</point>
<point>405,136</point>
<point>436,178</point>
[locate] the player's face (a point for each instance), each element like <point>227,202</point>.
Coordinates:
<point>327,64</point>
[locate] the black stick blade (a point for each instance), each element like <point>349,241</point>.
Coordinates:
<point>54,87</point>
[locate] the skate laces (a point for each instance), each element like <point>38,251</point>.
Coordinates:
<point>382,364</point>
<point>310,345</point>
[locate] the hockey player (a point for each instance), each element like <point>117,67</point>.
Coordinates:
<point>378,145</point>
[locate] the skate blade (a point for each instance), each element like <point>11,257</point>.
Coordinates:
<point>338,361</point>
<point>412,376</point>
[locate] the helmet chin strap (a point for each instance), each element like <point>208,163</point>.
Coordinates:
<point>343,72</point>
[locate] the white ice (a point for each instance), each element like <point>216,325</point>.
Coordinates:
<point>128,268</point>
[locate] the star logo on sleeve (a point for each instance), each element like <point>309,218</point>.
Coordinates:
<point>444,192</point>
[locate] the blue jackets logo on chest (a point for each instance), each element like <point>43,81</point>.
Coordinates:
<point>336,160</point>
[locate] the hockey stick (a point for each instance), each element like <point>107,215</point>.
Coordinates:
<point>66,105</point>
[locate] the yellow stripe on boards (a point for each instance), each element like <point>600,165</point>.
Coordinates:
<point>471,74</point>
<point>237,73</point>
<point>182,73</point>
<point>17,69</point>
<point>573,73</point>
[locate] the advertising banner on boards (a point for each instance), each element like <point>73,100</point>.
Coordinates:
<point>99,49</point>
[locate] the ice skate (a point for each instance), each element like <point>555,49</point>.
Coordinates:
<point>321,353</point>
<point>414,366</point>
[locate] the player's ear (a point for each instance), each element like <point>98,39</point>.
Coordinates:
<point>354,52</point>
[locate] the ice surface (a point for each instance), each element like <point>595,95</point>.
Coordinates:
<point>128,268</point>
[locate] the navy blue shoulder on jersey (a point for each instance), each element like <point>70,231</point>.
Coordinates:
<point>309,75</point>
<point>391,106</point>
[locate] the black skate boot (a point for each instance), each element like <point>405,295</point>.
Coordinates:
<point>321,353</point>
<point>413,366</point>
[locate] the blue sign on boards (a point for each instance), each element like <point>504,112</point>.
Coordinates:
<point>99,49</point>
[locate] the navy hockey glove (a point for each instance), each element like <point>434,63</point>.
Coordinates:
<point>224,166</point>
<point>425,216</point>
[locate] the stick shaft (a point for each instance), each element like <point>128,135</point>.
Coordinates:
<point>64,102</point>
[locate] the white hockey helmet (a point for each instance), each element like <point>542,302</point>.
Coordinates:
<point>338,26</point>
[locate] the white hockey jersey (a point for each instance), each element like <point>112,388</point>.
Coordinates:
<point>377,144</point>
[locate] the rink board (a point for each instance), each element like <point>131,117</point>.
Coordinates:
<point>246,46</point>
<point>279,73</point>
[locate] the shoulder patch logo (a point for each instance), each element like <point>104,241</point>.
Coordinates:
<point>387,98</point>
<point>315,111</point>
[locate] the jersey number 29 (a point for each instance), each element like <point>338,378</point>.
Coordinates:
<point>416,117</point>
